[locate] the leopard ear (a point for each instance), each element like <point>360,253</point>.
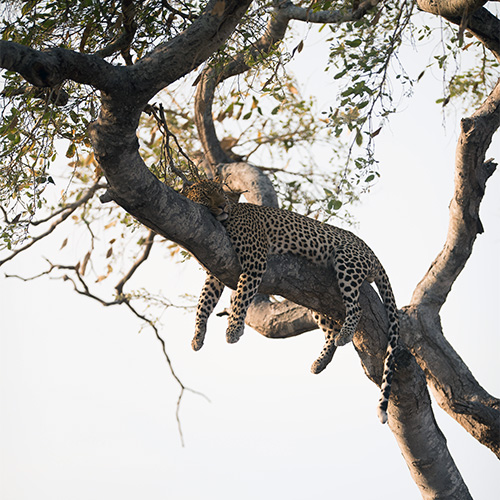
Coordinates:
<point>186,185</point>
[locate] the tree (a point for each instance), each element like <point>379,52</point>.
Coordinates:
<point>163,42</point>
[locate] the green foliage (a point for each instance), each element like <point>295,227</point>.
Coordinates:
<point>363,54</point>
<point>468,70</point>
<point>91,25</point>
<point>261,115</point>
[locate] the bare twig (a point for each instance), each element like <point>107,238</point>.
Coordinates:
<point>80,286</point>
<point>65,212</point>
<point>158,113</point>
<point>173,10</point>
<point>123,42</point>
<point>172,371</point>
<point>147,249</point>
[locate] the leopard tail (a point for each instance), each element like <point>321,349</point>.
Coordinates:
<point>385,290</point>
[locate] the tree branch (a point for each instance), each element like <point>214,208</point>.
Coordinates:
<point>249,180</point>
<point>470,15</point>
<point>276,27</point>
<point>51,67</point>
<point>148,245</point>
<point>140,82</point>
<point>65,212</point>
<point>212,76</point>
<point>453,385</point>
<point>456,389</point>
<point>279,320</point>
<point>123,42</point>
<point>471,174</point>
<point>81,287</point>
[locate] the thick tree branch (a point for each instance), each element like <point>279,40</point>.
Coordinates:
<point>451,8</point>
<point>279,320</point>
<point>51,67</point>
<point>470,15</point>
<point>250,181</point>
<point>454,386</point>
<point>138,83</point>
<point>471,174</point>
<point>308,15</point>
<point>422,444</point>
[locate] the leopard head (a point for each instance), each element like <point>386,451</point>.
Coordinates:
<point>210,195</point>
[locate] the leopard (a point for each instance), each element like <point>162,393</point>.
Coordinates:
<point>256,232</point>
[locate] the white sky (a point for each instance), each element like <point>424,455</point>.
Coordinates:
<point>87,406</point>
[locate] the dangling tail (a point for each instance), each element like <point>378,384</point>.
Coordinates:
<point>385,290</point>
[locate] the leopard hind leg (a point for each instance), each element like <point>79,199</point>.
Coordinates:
<point>351,271</point>
<point>331,329</point>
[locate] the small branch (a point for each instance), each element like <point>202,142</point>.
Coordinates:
<point>147,250</point>
<point>172,371</point>
<point>173,10</point>
<point>65,213</point>
<point>158,113</point>
<point>84,290</point>
<point>71,206</point>
<point>471,174</point>
<point>123,42</point>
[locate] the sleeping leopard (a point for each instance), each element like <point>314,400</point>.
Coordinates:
<point>256,232</point>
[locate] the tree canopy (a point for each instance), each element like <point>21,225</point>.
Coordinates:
<point>108,107</point>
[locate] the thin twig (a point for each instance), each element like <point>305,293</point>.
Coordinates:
<point>172,371</point>
<point>158,113</point>
<point>137,263</point>
<point>84,290</point>
<point>65,213</point>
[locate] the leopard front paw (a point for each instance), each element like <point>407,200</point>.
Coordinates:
<point>233,334</point>
<point>199,337</point>
<point>344,336</point>
<point>318,366</point>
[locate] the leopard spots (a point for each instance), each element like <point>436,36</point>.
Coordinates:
<point>256,232</point>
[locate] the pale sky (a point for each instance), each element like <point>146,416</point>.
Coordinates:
<point>87,405</point>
